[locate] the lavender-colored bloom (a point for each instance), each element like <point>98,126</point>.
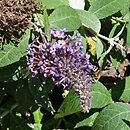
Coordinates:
<point>62,59</point>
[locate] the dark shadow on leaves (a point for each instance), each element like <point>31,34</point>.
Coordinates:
<point>118,90</point>
<point>127,122</point>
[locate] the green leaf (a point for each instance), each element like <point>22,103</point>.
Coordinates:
<point>127,17</point>
<point>37,126</point>
<point>52,4</point>
<point>16,123</point>
<point>89,20</point>
<point>126,7</point>
<point>101,96</point>
<point>12,54</point>
<point>111,117</point>
<point>88,121</point>
<point>39,92</point>
<point>23,96</point>
<point>105,8</point>
<point>70,105</point>
<point>12,72</point>
<point>99,48</point>
<point>91,1</point>
<point>50,124</point>
<point>65,17</point>
<point>121,91</point>
<point>37,116</point>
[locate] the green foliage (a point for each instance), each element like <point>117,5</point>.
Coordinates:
<point>51,4</point>
<point>101,96</point>
<point>112,117</point>
<point>33,103</point>
<point>121,90</point>
<point>88,121</point>
<point>89,20</point>
<point>65,17</point>
<point>105,8</point>
<point>11,54</point>
<point>70,105</point>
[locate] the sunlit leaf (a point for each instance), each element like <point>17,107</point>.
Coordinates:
<point>37,116</point>
<point>65,17</point>
<point>88,121</point>
<point>70,105</point>
<point>101,96</point>
<point>51,4</point>
<point>89,20</point>
<point>105,8</point>
<point>112,116</point>
<point>12,54</point>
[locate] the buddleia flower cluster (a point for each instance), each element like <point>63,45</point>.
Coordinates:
<point>62,59</point>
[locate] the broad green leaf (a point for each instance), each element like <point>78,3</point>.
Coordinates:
<point>12,72</point>
<point>88,121</point>
<point>91,1</point>
<point>99,48</point>
<point>111,117</point>
<point>12,54</point>
<point>50,124</point>
<point>127,17</point>
<point>39,92</point>
<point>77,4</point>
<point>89,20</point>
<point>37,116</point>
<point>17,123</point>
<point>70,105</point>
<point>100,96</point>
<point>7,107</point>
<point>126,7</point>
<point>65,17</point>
<point>51,4</point>
<point>23,96</point>
<point>121,91</point>
<point>105,8</point>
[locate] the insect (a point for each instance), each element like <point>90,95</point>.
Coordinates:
<point>97,73</point>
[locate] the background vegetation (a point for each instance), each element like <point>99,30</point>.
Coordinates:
<point>26,103</point>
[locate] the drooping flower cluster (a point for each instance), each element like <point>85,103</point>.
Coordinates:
<point>62,59</point>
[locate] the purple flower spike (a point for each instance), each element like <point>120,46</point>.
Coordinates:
<point>62,59</point>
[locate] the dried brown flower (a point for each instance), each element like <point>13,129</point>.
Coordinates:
<point>15,17</point>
